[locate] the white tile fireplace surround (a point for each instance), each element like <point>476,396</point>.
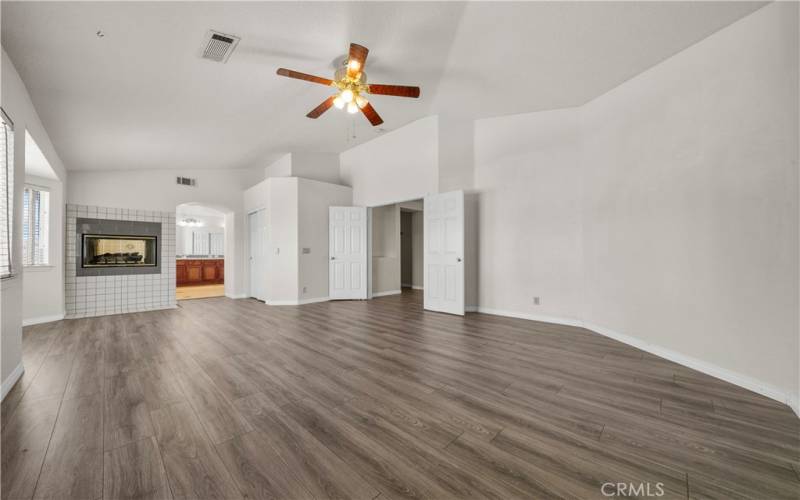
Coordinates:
<point>101,295</point>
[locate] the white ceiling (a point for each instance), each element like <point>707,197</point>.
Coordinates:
<point>140,97</point>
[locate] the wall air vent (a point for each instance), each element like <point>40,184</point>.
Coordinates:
<point>218,46</point>
<point>186,181</point>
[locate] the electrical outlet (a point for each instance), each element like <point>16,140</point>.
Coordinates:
<point>536,301</point>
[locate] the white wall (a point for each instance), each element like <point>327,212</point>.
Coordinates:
<point>43,287</point>
<point>664,212</point>
<point>297,218</point>
<point>690,216</point>
<point>528,176</point>
<point>401,165</point>
<point>16,102</point>
<point>283,266</point>
<point>314,200</point>
<point>456,152</point>
<point>322,167</point>
<point>282,167</point>
<point>157,190</point>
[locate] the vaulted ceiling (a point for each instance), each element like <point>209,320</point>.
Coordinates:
<point>141,96</point>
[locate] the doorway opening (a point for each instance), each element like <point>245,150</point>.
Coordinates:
<point>398,249</point>
<point>200,252</point>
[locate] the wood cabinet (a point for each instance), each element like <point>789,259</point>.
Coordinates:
<point>199,271</point>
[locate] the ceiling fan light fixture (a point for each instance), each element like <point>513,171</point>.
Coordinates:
<point>350,84</point>
<point>347,95</point>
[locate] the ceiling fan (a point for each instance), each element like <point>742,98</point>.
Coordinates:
<point>351,84</point>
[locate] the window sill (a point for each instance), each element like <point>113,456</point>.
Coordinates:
<point>37,269</point>
<point>9,281</point>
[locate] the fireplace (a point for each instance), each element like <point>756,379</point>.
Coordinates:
<point>99,250</point>
<point>114,247</point>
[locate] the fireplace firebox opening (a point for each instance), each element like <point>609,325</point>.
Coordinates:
<point>107,247</point>
<point>100,250</point>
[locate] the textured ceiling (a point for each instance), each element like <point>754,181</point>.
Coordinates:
<point>141,97</point>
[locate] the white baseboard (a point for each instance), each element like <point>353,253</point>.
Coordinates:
<point>237,296</point>
<point>533,317</point>
<point>313,300</point>
<point>299,302</point>
<point>719,372</point>
<point>42,319</point>
<point>281,302</point>
<point>406,285</point>
<point>388,292</point>
<point>12,378</point>
<point>794,404</point>
<point>472,309</point>
<point>129,311</point>
<point>417,287</point>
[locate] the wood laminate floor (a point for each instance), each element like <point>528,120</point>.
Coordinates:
<point>199,292</point>
<point>234,399</point>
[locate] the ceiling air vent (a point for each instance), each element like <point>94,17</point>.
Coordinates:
<point>186,181</point>
<point>218,46</point>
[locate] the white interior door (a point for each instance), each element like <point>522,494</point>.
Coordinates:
<point>444,252</point>
<point>257,221</point>
<point>348,253</point>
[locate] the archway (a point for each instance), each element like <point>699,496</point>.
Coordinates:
<point>203,247</point>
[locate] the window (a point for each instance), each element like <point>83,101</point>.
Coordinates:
<point>6,193</point>
<point>217,244</point>
<point>199,243</point>
<point>35,226</point>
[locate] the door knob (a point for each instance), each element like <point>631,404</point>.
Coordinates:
<point>458,259</point>
<point>333,258</point>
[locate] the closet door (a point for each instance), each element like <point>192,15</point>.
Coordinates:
<point>347,250</point>
<point>257,222</point>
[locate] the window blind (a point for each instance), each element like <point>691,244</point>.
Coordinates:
<point>217,244</point>
<point>200,243</point>
<point>6,194</point>
<point>35,226</point>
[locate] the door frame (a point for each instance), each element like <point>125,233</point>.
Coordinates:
<point>369,235</point>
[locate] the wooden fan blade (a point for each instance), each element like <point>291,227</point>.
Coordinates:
<point>358,54</point>
<point>372,115</point>
<point>325,106</point>
<point>397,90</point>
<point>303,76</point>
